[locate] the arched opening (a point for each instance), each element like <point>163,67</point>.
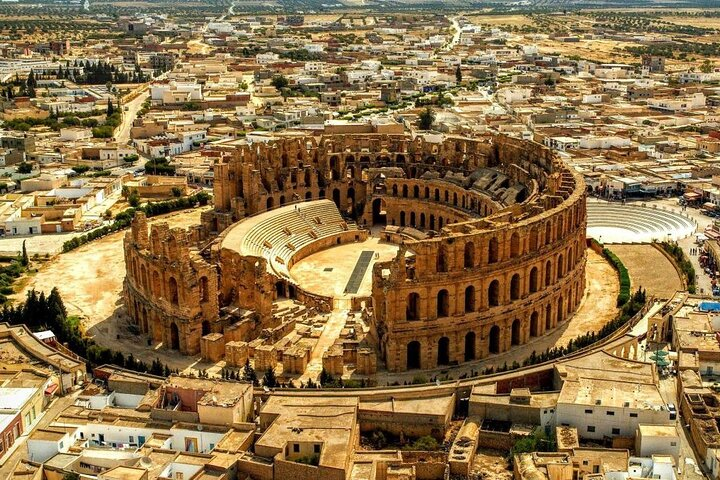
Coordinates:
<point>470,299</point>
<point>515,336</point>
<point>560,315</point>
<point>469,255</point>
<point>412,219</point>
<point>280,289</point>
<point>494,339</point>
<point>395,190</point>
<point>402,219</point>
<point>405,191</point>
<point>560,271</point>
<point>548,317</point>
<point>422,220</point>
<point>157,285</point>
<point>548,273</point>
<point>205,327</point>
<point>336,197</point>
<point>534,325</point>
<point>515,287</point>
<point>493,250</point>
<point>173,290</point>
<point>204,295</point>
<point>432,222</point>
<point>412,310</point>
<point>443,303</point>
<point>437,195</point>
<point>270,203</point>
<point>469,346</point>
<point>282,200</point>
<point>515,245</point>
<point>443,354</point>
<point>416,191</point>
<point>534,239</point>
<point>494,294</point>
<point>442,263</point>
<point>413,355</point>
<point>377,213</point>
<point>533,280</point>
<point>308,195</point>
<point>548,233</point>
<point>174,337</point>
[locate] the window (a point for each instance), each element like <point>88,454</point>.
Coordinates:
<point>610,412</point>
<point>591,429</point>
<point>673,444</point>
<point>589,412</point>
<point>316,448</point>
<point>131,439</point>
<point>296,447</point>
<point>585,462</point>
<point>616,431</point>
<point>60,444</point>
<point>633,415</point>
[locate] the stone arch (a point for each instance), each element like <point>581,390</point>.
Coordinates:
<point>494,294</point>
<point>493,248</point>
<point>269,203</point>
<point>157,284</point>
<point>548,233</point>
<point>443,303</point>
<point>548,273</point>
<point>404,191</point>
<point>442,260</point>
<point>515,287</point>
<point>534,244</point>
<point>413,355</point>
<point>402,218</point>
<point>494,339</point>
<point>514,245</point>
<point>443,352</point>
<point>469,299</point>
<point>416,191</point>
<point>469,346</point>
<point>174,336</point>
<point>422,220</point>
<point>413,307</point>
<point>533,280</point>
<point>534,325</point>
<point>205,327</point>
<point>560,312</point>
<point>548,317</point>
<point>560,266</point>
<point>515,333</point>
<point>469,255</point>
<point>173,291</point>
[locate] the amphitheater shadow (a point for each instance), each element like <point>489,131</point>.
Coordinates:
<point>118,333</point>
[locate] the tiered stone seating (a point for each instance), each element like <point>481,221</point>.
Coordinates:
<point>642,224</point>
<point>277,235</point>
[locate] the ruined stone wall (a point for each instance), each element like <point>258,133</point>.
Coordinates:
<point>170,292</point>
<point>485,285</point>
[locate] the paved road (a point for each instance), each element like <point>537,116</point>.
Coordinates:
<point>60,404</point>
<point>123,133</point>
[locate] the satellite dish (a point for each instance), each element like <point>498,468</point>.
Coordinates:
<point>145,461</point>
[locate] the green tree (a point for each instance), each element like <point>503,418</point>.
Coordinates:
<point>134,200</point>
<point>110,108</point>
<point>458,75</point>
<point>24,260</point>
<point>30,84</point>
<point>706,67</point>
<point>269,379</point>
<point>249,374</point>
<point>279,82</point>
<point>176,191</point>
<point>427,118</point>
<point>24,168</point>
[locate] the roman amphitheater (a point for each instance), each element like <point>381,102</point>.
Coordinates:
<point>361,253</point>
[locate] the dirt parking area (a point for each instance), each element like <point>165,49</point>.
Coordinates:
<point>649,268</point>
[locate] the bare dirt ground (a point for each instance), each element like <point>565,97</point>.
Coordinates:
<point>497,20</point>
<point>491,465</point>
<point>90,281</point>
<point>649,268</point>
